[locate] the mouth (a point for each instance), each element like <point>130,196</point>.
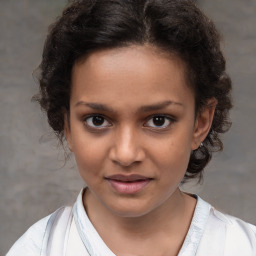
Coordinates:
<point>128,184</point>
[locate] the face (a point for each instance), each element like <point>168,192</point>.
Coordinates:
<point>132,127</point>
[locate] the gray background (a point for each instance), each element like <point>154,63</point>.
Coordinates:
<point>33,181</point>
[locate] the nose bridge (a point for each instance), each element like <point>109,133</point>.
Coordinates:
<point>127,148</point>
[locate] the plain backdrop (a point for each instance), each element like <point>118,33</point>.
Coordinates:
<point>33,179</point>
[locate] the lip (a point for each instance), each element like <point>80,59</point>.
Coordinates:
<point>128,184</point>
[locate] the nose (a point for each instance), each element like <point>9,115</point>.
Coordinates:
<point>127,149</point>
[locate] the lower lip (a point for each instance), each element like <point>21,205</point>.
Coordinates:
<point>128,187</point>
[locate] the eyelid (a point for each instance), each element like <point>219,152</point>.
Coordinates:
<point>85,119</point>
<point>167,116</point>
<point>170,118</point>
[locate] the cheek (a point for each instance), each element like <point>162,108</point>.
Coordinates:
<point>90,153</point>
<point>172,156</point>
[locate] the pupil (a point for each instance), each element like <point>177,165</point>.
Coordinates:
<point>159,120</point>
<point>98,120</point>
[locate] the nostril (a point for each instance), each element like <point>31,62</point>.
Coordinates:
<point>126,149</point>
<point>126,158</point>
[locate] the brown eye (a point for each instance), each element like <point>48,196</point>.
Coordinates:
<point>97,122</point>
<point>159,122</point>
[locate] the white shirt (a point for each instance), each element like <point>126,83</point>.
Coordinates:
<point>211,233</point>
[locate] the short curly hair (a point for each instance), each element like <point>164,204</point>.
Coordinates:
<point>175,26</point>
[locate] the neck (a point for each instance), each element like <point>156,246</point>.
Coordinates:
<point>166,217</point>
<point>166,226</point>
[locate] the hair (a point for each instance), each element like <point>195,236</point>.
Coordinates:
<point>174,26</point>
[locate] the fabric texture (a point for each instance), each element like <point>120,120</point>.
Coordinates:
<point>68,231</point>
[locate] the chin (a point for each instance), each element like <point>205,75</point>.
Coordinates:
<point>130,213</point>
<point>130,210</point>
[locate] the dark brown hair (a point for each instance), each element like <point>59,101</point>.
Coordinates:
<point>174,26</point>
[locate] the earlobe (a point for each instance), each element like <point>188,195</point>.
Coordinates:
<point>203,123</point>
<point>67,130</point>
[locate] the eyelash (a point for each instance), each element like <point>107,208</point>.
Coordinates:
<point>167,118</point>
<point>91,126</point>
<point>89,119</point>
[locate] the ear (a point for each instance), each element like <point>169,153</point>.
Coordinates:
<point>203,123</point>
<point>67,132</point>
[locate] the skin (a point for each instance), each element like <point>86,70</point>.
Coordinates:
<point>126,88</point>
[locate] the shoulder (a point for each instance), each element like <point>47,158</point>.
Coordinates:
<point>228,235</point>
<point>31,242</point>
<point>236,229</point>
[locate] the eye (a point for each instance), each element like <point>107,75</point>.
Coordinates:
<point>96,121</point>
<point>159,121</point>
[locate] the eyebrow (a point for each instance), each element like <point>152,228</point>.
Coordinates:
<point>95,106</point>
<point>159,106</point>
<point>147,108</point>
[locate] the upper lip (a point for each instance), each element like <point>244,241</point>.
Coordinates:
<point>131,177</point>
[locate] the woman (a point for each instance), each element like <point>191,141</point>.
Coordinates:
<point>138,89</point>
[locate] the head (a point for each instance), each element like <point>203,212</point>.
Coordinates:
<point>174,28</point>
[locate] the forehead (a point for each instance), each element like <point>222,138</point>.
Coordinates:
<point>130,56</point>
<point>130,71</point>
